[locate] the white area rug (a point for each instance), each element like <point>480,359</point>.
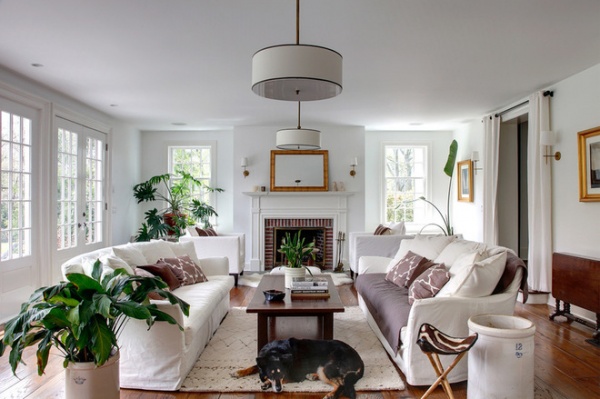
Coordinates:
<point>234,347</point>
<point>252,279</point>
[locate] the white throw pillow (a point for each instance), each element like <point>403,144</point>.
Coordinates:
<point>154,250</point>
<point>192,231</point>
<point>457,248</point>
<point>131,255</point>
<point>397,228</point>
<point>427,246</point>
<point>116,263</point>
<point>476,280</point>
<point>184,248</point>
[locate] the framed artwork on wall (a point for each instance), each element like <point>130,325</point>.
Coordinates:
<point>465,180</point>
<point>589,164</point>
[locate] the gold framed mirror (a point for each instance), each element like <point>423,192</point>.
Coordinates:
<point>299,170</point>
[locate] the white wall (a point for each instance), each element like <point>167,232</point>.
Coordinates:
<point>468,216</point>
<point>256,142</point>
<point>374,141</point>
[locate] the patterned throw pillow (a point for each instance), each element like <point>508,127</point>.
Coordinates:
<point>428,283</point>
<point>407,269</point>
<point>210,232</point>
<point>382,230</point>
<point>185,269</point>
<point>164,271</point>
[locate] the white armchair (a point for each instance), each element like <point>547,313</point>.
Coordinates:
<point>232,245</point>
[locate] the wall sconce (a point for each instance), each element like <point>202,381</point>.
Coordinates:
<point>548,139</point>
<point>475,159</point>
<point>353,165</point>
<point>244,164</point>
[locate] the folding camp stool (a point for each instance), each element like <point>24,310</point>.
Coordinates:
<point>433,342</point>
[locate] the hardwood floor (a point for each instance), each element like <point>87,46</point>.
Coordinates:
<point>566,367</point>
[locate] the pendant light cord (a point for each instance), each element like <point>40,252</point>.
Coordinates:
<point>297,21</point>
<point>299,115</point>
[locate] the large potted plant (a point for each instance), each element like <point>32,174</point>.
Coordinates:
<point>295,249</point>
<point>181,209</point>
<point>82,319</point>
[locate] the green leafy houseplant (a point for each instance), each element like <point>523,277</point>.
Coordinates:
<point>181,210</point>
<point>449,171</point>
<point>296,249</point>
<point>82,317</point>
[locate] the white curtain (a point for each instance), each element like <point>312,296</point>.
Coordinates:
<point>490,179</point>
<point>540,197</point>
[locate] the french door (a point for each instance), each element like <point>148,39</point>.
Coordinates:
<point>19,205</point>
<point>80,189</point>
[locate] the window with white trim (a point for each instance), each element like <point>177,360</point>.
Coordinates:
<point>405,181</point>
<point>197,161</point>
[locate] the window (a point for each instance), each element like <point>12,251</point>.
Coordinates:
<point>195,160</point>
<point>405,181</point>
<point>16,200</point>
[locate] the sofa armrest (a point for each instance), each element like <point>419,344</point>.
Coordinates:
<point>373,264</point>
<point>368,244</point>
<point>215,266</point>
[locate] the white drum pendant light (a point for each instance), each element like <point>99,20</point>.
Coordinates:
<point>298,139</point>
<point>295,72</point>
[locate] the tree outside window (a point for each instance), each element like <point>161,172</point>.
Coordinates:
<point>405,181</point>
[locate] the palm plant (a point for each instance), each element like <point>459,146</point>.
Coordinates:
<point>83,317</point>
<point>182,208</point>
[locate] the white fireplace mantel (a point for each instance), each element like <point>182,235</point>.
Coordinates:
<point>284,205</point>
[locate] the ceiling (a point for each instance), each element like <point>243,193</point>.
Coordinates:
<point>408,64</point>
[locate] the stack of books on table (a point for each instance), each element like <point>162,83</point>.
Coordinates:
<point>309,288</point>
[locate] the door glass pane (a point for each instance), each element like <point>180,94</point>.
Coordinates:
<point>67,194</point>
<point>16,197</point>
<point>94,188</point>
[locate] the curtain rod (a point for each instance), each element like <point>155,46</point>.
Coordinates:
<point>546,94</point>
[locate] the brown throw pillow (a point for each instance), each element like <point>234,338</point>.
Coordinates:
<point>146,273</point>
<point>407,269</point>
<point>381,230</point>
<point>428,283</point>
<point>210,232</point>
<point>185,269</point>
<point>163,270</point>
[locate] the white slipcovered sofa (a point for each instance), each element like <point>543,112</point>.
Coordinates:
<point>232,245</point>
<point>161,358</point>
<point>449,310</point>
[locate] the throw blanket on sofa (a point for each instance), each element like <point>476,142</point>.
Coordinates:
<point>513,263</point>
<point>387,303</point>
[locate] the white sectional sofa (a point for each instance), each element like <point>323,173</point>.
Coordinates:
<point>396,323</point>
<point>233,246</point>
<point>161,358</point>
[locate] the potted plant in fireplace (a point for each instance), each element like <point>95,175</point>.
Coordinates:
<point>82,319</point>
<point>295,249</point>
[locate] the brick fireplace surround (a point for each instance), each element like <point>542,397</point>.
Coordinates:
<point>302,209</point>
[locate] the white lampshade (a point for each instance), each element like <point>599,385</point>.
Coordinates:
<point>475,156</point>
<point>547,137</point>
<point>298,139</point>
<point>244,162</point>
<point>297,72</point>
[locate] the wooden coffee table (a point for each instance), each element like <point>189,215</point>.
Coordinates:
<point>303,318</point>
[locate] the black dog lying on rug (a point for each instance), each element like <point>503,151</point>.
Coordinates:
<point>294,360</point>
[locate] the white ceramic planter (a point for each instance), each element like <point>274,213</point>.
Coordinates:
<point>291,272</point>
<point>86,381</point>
<point>501,363</point>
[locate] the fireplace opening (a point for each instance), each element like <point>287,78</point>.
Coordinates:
<point>310,234</point>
